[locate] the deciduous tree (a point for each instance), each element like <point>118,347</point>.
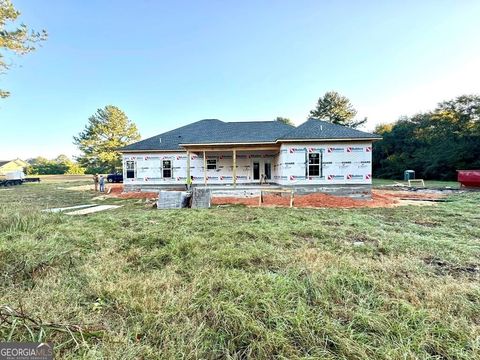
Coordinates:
<point>17,40</point>
<point>284,120</point>
<point>62,164</point>
<point>435,144</point>
<point>336,109</point>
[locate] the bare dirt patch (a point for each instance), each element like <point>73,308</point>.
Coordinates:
<point>442,267</point>
<point>116,190</point>
<point>380,198</point>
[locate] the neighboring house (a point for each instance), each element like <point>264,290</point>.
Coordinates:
<point>313,156</point>
<point>12,165</point>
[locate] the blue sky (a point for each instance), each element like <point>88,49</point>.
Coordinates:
<point>169,63</point>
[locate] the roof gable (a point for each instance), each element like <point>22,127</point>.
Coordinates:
<point>314,129</point>
<point>17,162</point>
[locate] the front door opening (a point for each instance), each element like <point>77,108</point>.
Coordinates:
<point>268,171</point>
<point>256,170</point>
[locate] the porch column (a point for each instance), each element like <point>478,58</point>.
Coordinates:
<point>188,167</point>
<point>204,167</point>
<point>234,168</point>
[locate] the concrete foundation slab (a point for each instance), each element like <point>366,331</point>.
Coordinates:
<point>358,191</point>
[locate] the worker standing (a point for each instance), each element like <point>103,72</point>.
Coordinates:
<point>188,182</point>
<point>102,183</point>
<point>95,181</point>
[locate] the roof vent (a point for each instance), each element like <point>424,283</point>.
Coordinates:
<point>321,127</point>
<point>160,140</point>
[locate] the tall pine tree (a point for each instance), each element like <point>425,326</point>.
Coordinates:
<point>105,132</point>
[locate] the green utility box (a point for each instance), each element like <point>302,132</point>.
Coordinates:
<point>409,175</point>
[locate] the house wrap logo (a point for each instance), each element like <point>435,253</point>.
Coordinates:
<point>297,150</point>
<point>362,164</point>
<point>295,177</point>
<point>344,164</point>
<point>354,177</point>
<point>335,177</point>
<point>151,158</point>
<point>335,150</point>
<point>315,150</point>
<point>351,149</point>
<point>181,157</point>
<point>368,177</point>
<point>368,149</point>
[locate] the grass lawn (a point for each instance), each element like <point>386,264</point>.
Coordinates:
<point>236,282</point>
<point>428,183</point>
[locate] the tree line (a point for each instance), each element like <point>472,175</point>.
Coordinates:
<point>62,164</point>
<point>435,143</point>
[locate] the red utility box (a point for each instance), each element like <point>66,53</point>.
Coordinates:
<point>469,178</point>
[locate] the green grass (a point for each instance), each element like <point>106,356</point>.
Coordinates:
<point>240,282</point>
<point>428,183</point>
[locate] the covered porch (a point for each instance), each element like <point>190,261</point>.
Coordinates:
<point>232,166</point>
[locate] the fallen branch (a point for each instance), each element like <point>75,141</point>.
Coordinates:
<point>8,315</point>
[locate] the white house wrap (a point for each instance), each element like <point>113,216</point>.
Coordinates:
<point>213,152</point>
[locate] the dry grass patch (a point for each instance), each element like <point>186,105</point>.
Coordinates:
<point>240,283</point>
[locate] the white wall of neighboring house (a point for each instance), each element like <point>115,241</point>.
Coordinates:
<point>342,163</point>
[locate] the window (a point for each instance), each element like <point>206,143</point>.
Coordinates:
<point>211,164</point>
<point>314,168</point>
<point>130,165</point>
<point>167,168</point>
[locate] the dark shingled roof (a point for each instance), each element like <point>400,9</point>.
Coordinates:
<point>323,130</point>
<point>216,131</point>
